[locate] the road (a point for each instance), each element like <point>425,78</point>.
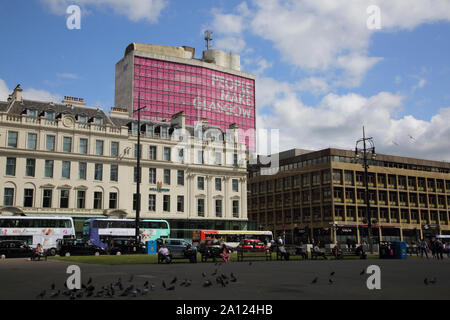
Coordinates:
<point>272,280</point>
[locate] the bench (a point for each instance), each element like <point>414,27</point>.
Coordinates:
<point>345,252</point>
<point>242,254</point>
<point>290,250</point>
<point>210,255</point>
<point>161,258</point>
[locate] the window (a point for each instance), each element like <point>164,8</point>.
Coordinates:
<point>98,200</point>
<point>166,203</point>
<point>82,170</point>
<point>152,176</point>
<point>167,154</point>
<point>199,157</point>
<point>65,170</point>
<point>201,207</point>
<point>219,208</point>
<point>235,208</point>
<point>136,150</point>
<point>167,176</point>
<point>81,199</point>
<point>67,144</point>
<point>98,175</point>
<point>48,170</point>
<point>8,197</point>
<point>30,167</point>
<point>28,198</point>
<point>113,200</point>
<point>218,184</point>
<point>235,160</point>
<point>83,146</point>
<point>50,143</point>
<point>152,154</point>
<point>47,199</point>
<point>114,149</point>
<point>235,185</point>
<point>151,202</point>
<point>180,177</point>
<point>180,203</point>
<point>149,130</point>
<point>201,183</point>
<point>12,139</point>
<point>99,147</point>
<point>164,132</point>
<point>32,141</point>
<point>64,199</point>
<point>218,159</point>
<point>181,155</point>
<point>135,175</point>
<point>114,173</point>
<point>10,166</point>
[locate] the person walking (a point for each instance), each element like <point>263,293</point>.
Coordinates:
<point>423,248</point>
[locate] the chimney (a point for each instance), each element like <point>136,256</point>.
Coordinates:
<point>179,119</point>
<point>118,112</point>
<point>17,93</point>
<point>74,101</point>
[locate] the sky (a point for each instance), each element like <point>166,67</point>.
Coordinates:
<point>324,68</point>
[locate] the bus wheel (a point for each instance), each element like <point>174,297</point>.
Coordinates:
<point>118,253</point>
<point>97,253</point>
<point>52,252</point>
<point>67,254</point>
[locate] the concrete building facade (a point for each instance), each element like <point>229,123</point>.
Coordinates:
<point>72,160</point>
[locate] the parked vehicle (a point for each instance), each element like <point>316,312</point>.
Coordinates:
<point>252,245</point>
<point>15,249</point>
<point>78,248</point>
<point>177,247</point>
<point>126,246</point>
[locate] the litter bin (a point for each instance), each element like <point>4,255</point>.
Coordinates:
<point>151,247</point>
<point>400,250</point>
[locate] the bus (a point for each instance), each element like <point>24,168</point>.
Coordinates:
<point>230,237</point>
<point>37,230</point>
<point>101,231</point>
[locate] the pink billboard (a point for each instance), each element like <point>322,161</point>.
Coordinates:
<point>167,88</point>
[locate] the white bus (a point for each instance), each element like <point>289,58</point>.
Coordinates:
<point>37,230</point>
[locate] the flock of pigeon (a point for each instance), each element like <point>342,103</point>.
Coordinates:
<point>120,290</point>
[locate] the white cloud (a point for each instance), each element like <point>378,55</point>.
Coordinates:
<point>314,85</point>
<point>70,76</point>
<point>135,10</point>
<point>233,44</point>
<point>327,35</point>
<point>29,94</point>
<point>337,120</point>
<point>420,84</point>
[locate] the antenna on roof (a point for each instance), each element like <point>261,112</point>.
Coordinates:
<point>208,38</point>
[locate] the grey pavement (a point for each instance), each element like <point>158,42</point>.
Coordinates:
<point>271,280</point>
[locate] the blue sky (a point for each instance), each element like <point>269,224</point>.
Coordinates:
<point>321,73</point>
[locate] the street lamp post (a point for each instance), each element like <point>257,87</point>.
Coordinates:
<point>365,152</point>
<point>138,182</point>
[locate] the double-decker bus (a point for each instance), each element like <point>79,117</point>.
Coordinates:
<point>37,230</point>
<point>230,237</point>
<point>101,231</point>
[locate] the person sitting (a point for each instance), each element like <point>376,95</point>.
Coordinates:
<point>337,251</point>
<point>283,253</point>
<point>360,252</point>
<point>225,255</point>
<point>164,253</point>
<point>191,253</point>
<point>318,253</point>
<point>300,250</point>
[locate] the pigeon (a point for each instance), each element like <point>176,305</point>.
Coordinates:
<point>425,281</point>
<point>89,281</point>
<point>315,280</point>
<point>131,278</point>
<point>53,286</point>
<point>146,284</point>
<point>207,283</point>
<point>362,272</point>
<point>174,280</point>
<point>332,274</point>
<point>55,294</point>
<point>183,283</point>
<point>433,281</point>
<point>89,294</point>
<point>41,295</point>
<point>145,291</point>
<point>224,277</point>
<point>152,286</point>
<point>164,285</point>
<point>188,283</point>
<point>171,288</point>
<point>215,272</point>
<point>79,295</point>
<point>330,281</point>
<point>203,274</point>
<point>233,278</point>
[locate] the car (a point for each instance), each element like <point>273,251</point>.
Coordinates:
<point>125,246</point>
<point>252,245</point>
<point>212,248</point>
<point>78,247</point>
<point>15,249</point>
<point>177,247</point>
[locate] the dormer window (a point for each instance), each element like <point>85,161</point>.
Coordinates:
<point>32,113</point>
<point>49,115</point>
<point>83,119</point>
<point>98,121</point>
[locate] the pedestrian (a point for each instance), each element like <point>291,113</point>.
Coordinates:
<point>423,248</point>
<point>225,255</point>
